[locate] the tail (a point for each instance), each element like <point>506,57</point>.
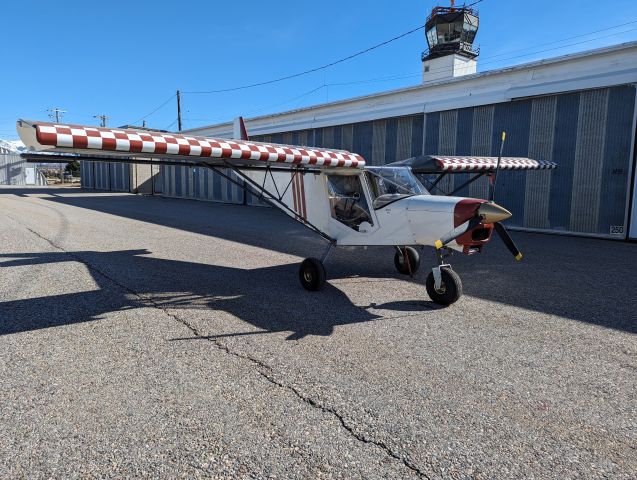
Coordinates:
<point>239,129</point>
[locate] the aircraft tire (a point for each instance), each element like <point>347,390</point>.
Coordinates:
<point>452,287</point>
<point>414,261</point>
<point>312,274</point>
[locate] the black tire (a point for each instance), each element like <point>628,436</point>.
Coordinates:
<point>414,261</point>
<point>312,274</point>
<point>451,288</point>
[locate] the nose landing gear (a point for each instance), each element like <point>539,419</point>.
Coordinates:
<point>443,285</point>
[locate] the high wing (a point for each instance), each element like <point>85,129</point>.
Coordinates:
<point>143,144</point>
<point>284,176</point>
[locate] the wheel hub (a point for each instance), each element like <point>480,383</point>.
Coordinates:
<point>442,289</point>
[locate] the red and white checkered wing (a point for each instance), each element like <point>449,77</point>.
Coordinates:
<point>84,139</point>
<point>477,164</point>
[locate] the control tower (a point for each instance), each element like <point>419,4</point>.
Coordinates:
<point>450,32</point>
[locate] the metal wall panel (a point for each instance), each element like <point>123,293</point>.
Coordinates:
<point>432,133</point>
<point>362,138</point>
<point>199,183</point>
<point>589,161</point>
<point>12,169</point>
<point>481,138</point>
<point>391,139</point>
<point>464,133</point>
<point>538,183</point>
<point>589,134</point>
<point>515,119</point>
<point>403,138</point>
<point>87,174</point>
<point>447,143</point>
<point>379,134</point>
<point>617,163</point>
<point>564,145</point>
<point>417,126</point>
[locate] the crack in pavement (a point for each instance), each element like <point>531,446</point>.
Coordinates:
<point>262,368</point>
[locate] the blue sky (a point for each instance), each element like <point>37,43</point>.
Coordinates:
<point>123,58</point>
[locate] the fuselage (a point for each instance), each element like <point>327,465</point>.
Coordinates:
<point>386,206</point>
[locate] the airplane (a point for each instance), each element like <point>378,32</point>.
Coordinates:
<point>331,192</point>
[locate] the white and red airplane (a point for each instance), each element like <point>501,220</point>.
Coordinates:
<point>332,192</point>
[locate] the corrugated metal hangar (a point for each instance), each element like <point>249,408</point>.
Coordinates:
<point>577,110</point>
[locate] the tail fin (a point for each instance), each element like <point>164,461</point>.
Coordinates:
<point>239,129</point>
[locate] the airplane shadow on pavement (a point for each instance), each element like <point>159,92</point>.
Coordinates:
<point>582,279</point>
<point>269,298</point>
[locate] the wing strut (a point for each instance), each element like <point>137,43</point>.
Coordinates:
<point>249,185</point>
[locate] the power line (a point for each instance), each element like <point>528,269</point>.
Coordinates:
<point>560,47</point>
<point>494,58</point>
<point>491,59</point>
<point>306,72</point>
<point>568,38</point>
<point>149,114</point>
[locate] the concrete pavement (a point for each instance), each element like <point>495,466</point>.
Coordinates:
<point>167,338</point>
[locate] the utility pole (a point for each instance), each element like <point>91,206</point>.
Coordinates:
<point>179,110</point>
<point>57,114</point>
<point>102,118</point>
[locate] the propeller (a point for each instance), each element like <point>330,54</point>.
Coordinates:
<point>486,213</point>
<point>494,178</point>
<point>507,240</point>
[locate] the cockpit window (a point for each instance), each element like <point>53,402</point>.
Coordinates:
<point>390,184</point>
<point>347,200</point>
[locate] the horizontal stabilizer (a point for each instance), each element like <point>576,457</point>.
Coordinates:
<point>452,164</point>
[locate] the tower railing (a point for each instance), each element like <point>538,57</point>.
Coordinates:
<point>452,47</point>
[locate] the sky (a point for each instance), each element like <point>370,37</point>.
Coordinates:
<point>124,59</point>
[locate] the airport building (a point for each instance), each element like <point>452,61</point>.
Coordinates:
<point>578,111</point>
<point>14,170</point>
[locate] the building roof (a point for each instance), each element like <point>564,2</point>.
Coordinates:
<point>615,65</point>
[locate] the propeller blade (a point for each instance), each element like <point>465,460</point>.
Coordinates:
<point>508,241</point>
<point>457,232</point>
<point>494,178</point>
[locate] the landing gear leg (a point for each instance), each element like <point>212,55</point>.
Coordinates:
<point>312,271</point>
<point>406,260</point>
<point>443,285</point>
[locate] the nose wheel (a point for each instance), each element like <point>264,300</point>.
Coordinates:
<point>448,288</point>
<point>443,285</point>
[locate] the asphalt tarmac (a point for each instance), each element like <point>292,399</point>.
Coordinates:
<point>152,337</point>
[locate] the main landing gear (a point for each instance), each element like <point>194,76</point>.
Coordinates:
<point>312,272</point>
<point>407,260</point>
<point>443,285</point>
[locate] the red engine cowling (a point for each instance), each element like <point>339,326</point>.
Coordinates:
<point>474,239</point>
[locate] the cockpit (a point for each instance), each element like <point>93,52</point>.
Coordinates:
<point>390,184</point>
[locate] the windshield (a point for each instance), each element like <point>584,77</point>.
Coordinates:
<point>389,184</point>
